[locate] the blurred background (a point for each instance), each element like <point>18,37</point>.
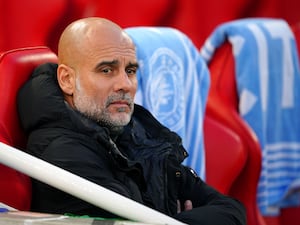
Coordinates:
<point>26,23</point>
<point>34,22</point>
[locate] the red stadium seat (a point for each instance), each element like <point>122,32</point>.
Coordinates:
<point>225,157</point>
<point>15,68</point>
<point>222,105</point>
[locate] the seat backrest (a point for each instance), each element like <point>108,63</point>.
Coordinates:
<point>15,68</point>
<point>173,84</point>
<point>222,105</point>
<point>225,157</point>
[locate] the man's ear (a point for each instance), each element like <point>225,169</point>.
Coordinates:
<point>66,79</point>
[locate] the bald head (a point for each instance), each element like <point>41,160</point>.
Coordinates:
<point>83,37</point>
<point>97,71</point>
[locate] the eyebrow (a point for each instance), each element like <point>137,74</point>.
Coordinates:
<point>133,65</point>
<point>106,63</point>
<point>113,63</point>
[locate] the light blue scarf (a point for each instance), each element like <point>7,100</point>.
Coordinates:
<point>173,84</point>
<point>268,83</point>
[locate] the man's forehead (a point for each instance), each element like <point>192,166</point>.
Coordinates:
<point>113,55</point>
<point>111,36</point>
<point>115,52</point>
<point>116,62</point>
<point>97,49</point>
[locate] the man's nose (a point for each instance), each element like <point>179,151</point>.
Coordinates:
<point>123,82</point>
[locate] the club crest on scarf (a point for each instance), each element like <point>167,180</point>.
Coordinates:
<point>164,97</point>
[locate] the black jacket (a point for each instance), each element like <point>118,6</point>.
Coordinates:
<point>143,163</point>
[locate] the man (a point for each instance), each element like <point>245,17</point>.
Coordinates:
<point>82,118</point>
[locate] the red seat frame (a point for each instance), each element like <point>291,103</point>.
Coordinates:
<point>15,68</point>
<point>223,106</point>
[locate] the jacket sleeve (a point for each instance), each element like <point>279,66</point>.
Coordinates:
<point>209,206</point>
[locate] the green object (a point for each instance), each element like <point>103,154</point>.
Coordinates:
<point>89,217</point>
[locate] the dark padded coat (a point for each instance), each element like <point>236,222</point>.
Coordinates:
<point>143,163</point>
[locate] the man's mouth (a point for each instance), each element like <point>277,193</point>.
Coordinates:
<point>120,103</point>
<point>121,106</point>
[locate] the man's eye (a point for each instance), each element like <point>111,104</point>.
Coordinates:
<point>131,71</point>
<point>106,70</point>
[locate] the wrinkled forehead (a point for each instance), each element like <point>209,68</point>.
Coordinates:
<point>111,46</point>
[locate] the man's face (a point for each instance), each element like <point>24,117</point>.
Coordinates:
<point>106,84</point>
